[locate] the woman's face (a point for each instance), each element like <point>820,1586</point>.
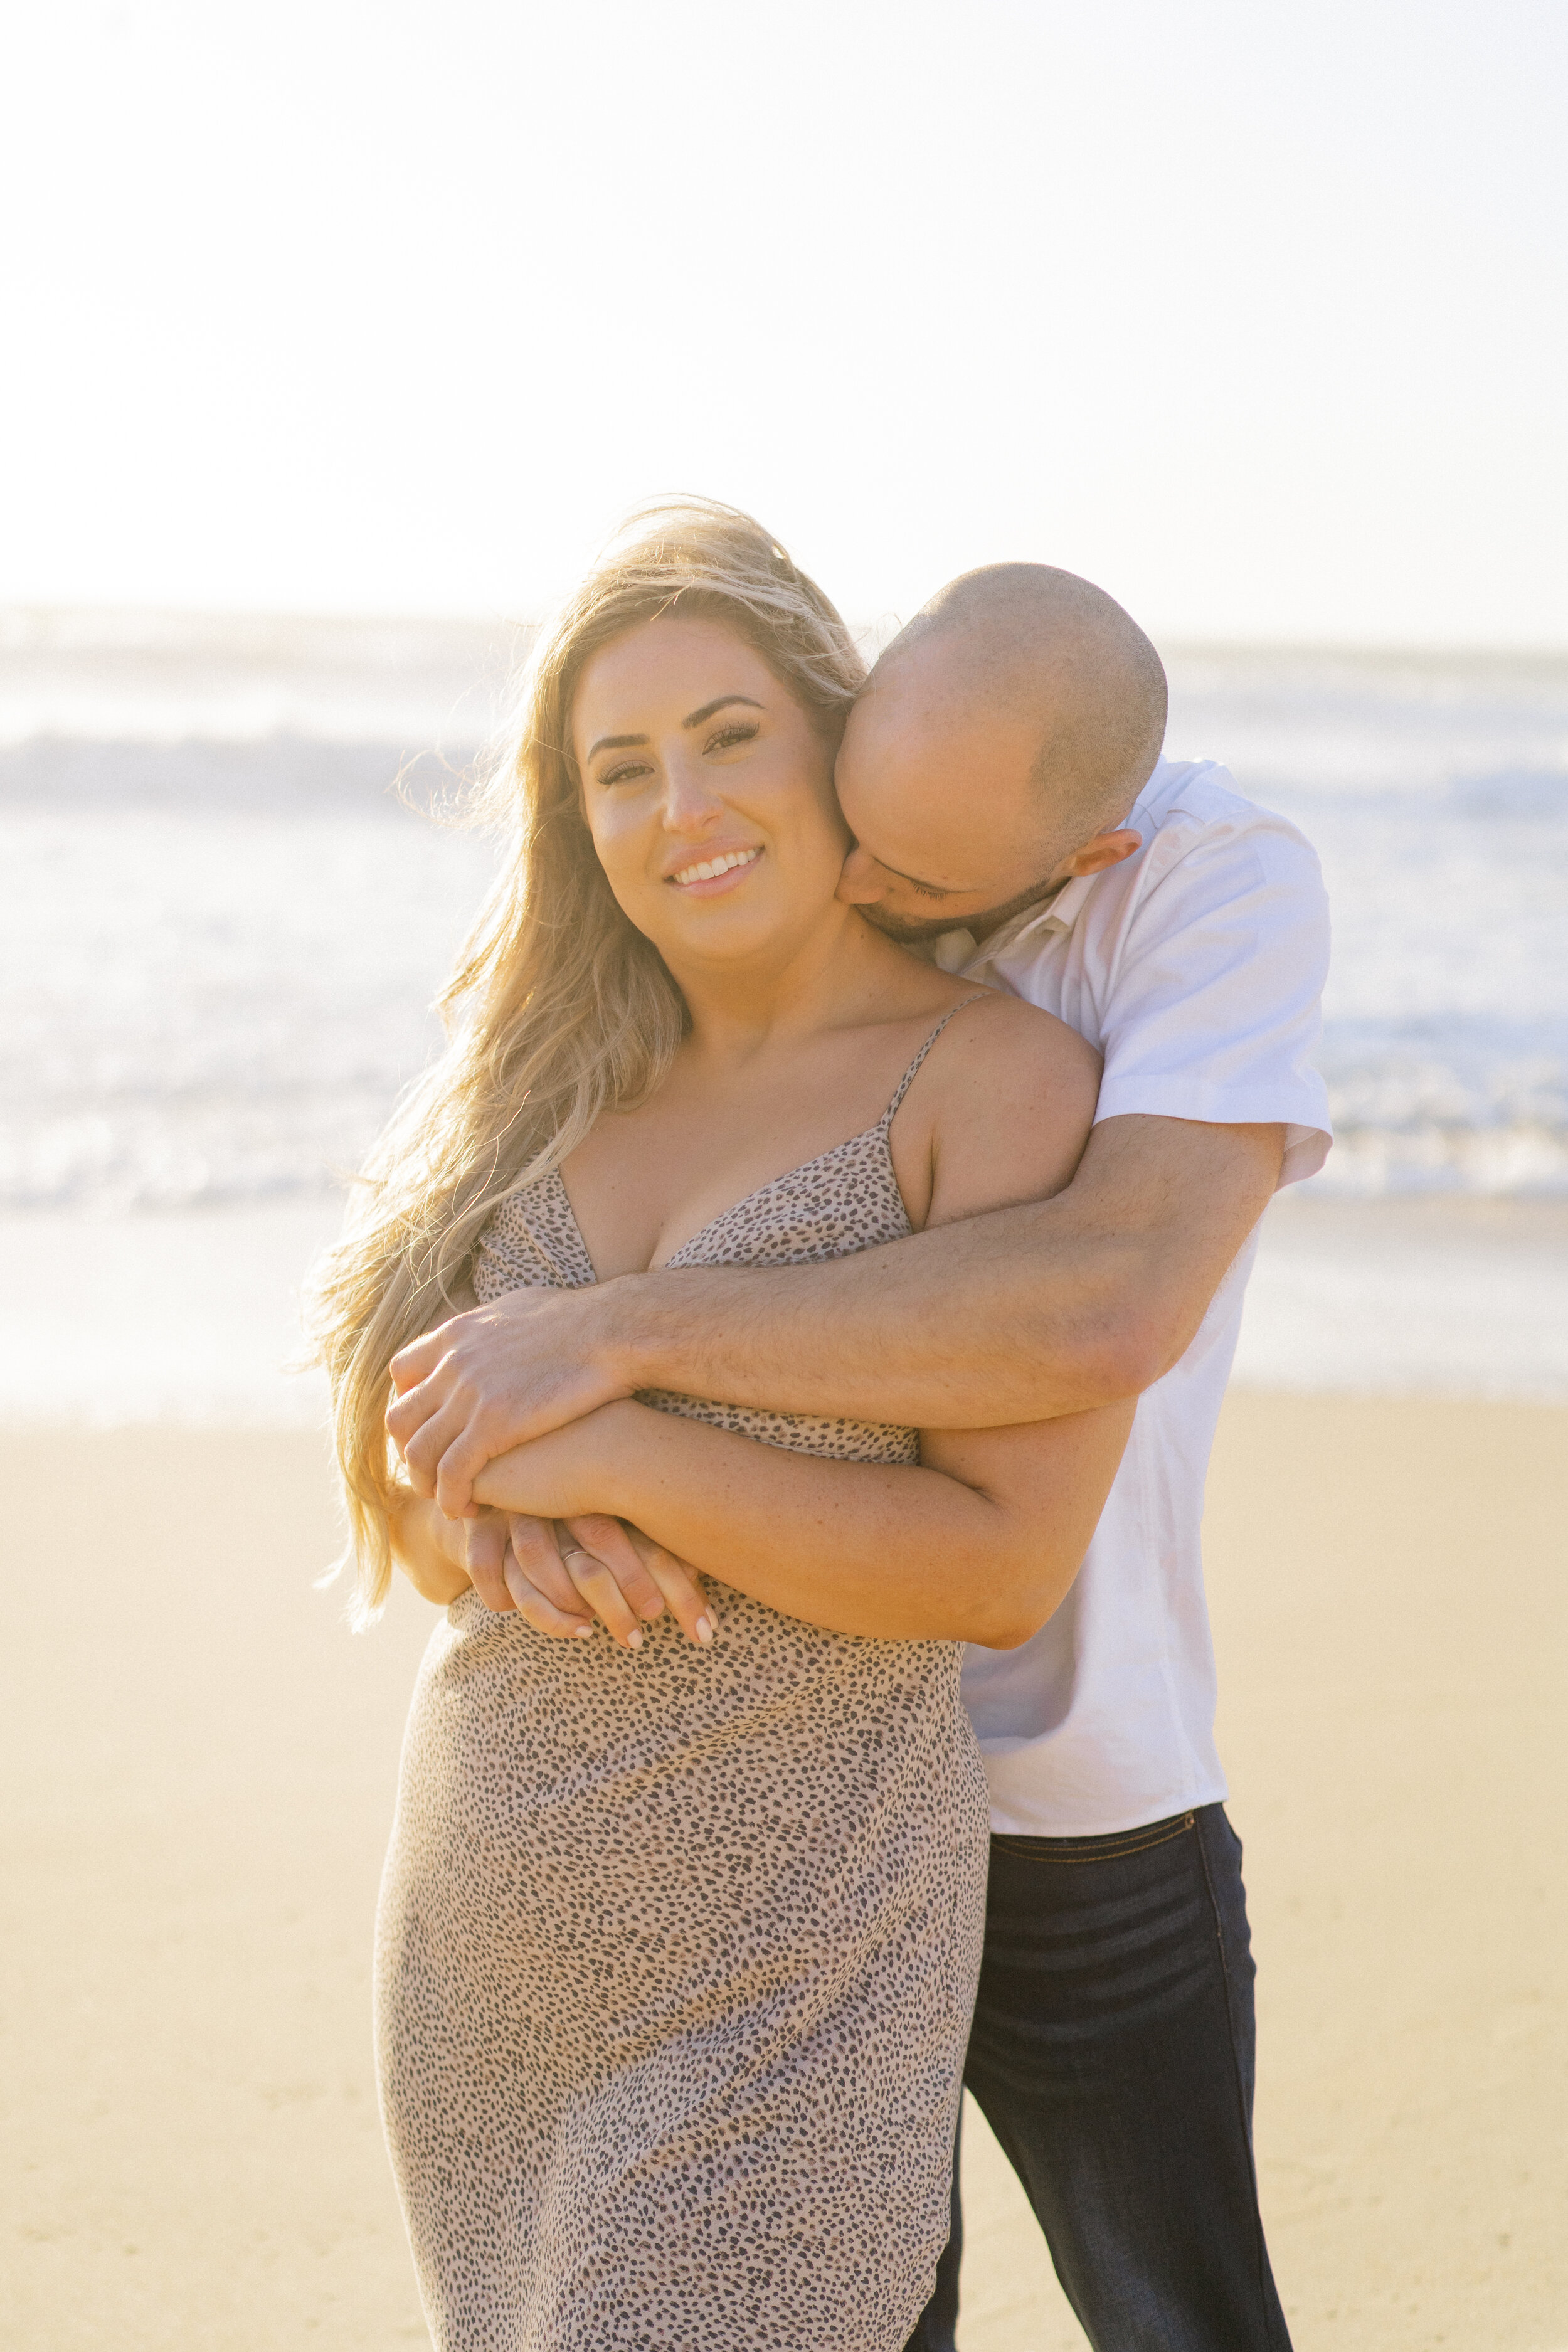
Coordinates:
<point>708,794</point>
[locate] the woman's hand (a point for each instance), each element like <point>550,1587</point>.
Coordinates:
<point>621,1575</point>
<point>442,1558</point>
<point>569,1553</point>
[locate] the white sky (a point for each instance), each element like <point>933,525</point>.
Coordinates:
<point>1252,309</point>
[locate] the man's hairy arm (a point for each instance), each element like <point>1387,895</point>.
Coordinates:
<point>1021,1315</point>
<point>1050,1307</point>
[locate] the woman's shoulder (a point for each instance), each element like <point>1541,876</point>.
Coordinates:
<point>1003,1109</point>
<point>990,1036</point>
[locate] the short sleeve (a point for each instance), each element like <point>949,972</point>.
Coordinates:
<point>1215,1009</point>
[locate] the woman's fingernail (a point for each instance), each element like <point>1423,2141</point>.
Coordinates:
<point>705,1629</point>
<point>583,1633</point>
<point>633,1639</point>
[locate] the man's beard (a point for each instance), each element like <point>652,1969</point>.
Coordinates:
<point>917,932</point>
<point>910,935</point>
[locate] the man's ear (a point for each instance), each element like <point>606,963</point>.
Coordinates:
<point>1106,849</point>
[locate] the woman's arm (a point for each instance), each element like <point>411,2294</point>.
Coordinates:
<point>980,1549</point>
<point>432,1550</point>
<point>428,1548</point>
<point>552,1576</point>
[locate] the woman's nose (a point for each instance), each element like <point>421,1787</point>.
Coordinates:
<point>690,803</point>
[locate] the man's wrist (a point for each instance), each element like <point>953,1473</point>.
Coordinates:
<point>628,1350</point>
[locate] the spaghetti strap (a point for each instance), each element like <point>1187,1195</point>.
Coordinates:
<point>910,1075</point>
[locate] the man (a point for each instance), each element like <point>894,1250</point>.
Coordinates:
<point>1003,779</point>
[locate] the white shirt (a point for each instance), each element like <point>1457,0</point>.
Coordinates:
<point>1196,968</point>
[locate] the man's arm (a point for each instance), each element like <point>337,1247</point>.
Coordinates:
<point>1021,1315</point>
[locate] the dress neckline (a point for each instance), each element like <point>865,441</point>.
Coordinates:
<point>881,1127</point>
<point>758,1192</point>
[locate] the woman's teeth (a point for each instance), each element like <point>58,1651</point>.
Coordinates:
<point>712,865</point>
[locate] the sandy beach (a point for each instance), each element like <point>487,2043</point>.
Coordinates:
<point>200,1763</point>
<point>371,483</point>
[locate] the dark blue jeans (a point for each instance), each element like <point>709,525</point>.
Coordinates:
<point>1113,2054</point>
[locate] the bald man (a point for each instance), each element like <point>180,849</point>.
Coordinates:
<point>1013,817</point>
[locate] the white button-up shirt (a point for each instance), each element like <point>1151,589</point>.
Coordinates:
<point>1196,968</point>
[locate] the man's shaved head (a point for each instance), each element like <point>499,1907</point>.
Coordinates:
<point>1058,655</point>
<point>1013,721</point>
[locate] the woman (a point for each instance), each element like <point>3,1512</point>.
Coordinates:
<point>678,1938</point>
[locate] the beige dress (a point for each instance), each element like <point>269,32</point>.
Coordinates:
<point>677,1950</point>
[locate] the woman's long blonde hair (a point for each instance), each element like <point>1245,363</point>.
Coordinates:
<point>559,1008</point>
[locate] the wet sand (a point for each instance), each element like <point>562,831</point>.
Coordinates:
<point>199,1764</point>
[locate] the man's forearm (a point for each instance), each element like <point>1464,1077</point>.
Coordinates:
<point>930,1332</point>
<point>1023,1314</point>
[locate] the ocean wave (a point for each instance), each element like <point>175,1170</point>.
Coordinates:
<point>281,774</point>
<point>1517,1163</point>
<point>123,1157</point>
<point>219,956</point>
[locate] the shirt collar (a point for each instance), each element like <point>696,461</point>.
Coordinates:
<point>956,950</point>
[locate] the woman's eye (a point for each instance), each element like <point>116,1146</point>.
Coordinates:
<point>627,773</point>
<point>920,891</point>
<point>724,739</point>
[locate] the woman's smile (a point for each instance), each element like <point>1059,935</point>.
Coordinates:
<point>719,870</point>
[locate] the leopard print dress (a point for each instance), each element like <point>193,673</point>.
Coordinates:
<point>677,1950</point>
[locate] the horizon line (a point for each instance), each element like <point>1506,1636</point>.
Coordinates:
<point>29,627</point>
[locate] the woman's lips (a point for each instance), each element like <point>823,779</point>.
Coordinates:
<point>700,880</point>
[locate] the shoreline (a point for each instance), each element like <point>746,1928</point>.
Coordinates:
<point>186,1318</point>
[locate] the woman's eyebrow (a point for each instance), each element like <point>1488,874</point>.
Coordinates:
<point>720,702</point>
<point>627,743</point>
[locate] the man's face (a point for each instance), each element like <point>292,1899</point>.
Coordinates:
<point>950,830</point>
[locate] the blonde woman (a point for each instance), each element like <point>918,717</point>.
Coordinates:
<point>679,1936</point>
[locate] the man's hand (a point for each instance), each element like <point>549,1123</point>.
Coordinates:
<point>496,1378</point>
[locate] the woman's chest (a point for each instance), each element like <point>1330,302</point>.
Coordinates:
<point>646,1184</point>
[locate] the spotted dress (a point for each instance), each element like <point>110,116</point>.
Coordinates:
<point>677,1950</point>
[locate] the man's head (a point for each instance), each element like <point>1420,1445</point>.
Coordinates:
<point>997,749</point>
